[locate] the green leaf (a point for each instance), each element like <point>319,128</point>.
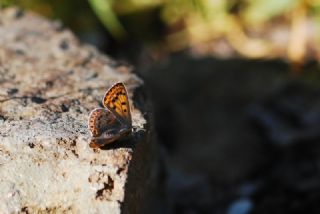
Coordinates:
<point>103,9</point>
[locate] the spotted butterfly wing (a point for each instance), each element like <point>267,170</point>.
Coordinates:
<point>109,137</point>
<point>101,120</point>
<point>105,128</point>
<point>116,100</point>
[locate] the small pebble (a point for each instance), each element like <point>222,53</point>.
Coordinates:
<point>240,206</point>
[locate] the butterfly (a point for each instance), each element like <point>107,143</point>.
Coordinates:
<point>112,122</point>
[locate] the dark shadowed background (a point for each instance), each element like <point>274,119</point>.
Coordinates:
<point>235,92</point>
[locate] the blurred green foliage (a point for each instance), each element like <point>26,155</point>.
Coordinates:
<point>105,12</point>
<point>259,11</point>
<point>179,24</point>
<point>76,14</point>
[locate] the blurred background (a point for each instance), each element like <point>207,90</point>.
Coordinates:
<point>235,91</point>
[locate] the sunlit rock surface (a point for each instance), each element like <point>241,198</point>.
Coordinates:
<point>49,83</point>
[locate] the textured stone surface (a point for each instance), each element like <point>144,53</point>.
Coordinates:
<point>49,83</point>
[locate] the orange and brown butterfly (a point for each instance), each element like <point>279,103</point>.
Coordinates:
<point>112,122</point>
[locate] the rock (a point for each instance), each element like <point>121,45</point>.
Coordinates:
<point>201,104</point>
<point>49,83</point>
<point>289,117</point>
<point>189,193</point>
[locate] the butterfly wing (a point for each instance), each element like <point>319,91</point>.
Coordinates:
<point>113,123</point>
<point>105,128</point>
<point>109,137</point>
<point>116,100</point>
<point>101,120</point>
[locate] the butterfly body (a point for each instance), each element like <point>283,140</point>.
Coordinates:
<point>112,122</point>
